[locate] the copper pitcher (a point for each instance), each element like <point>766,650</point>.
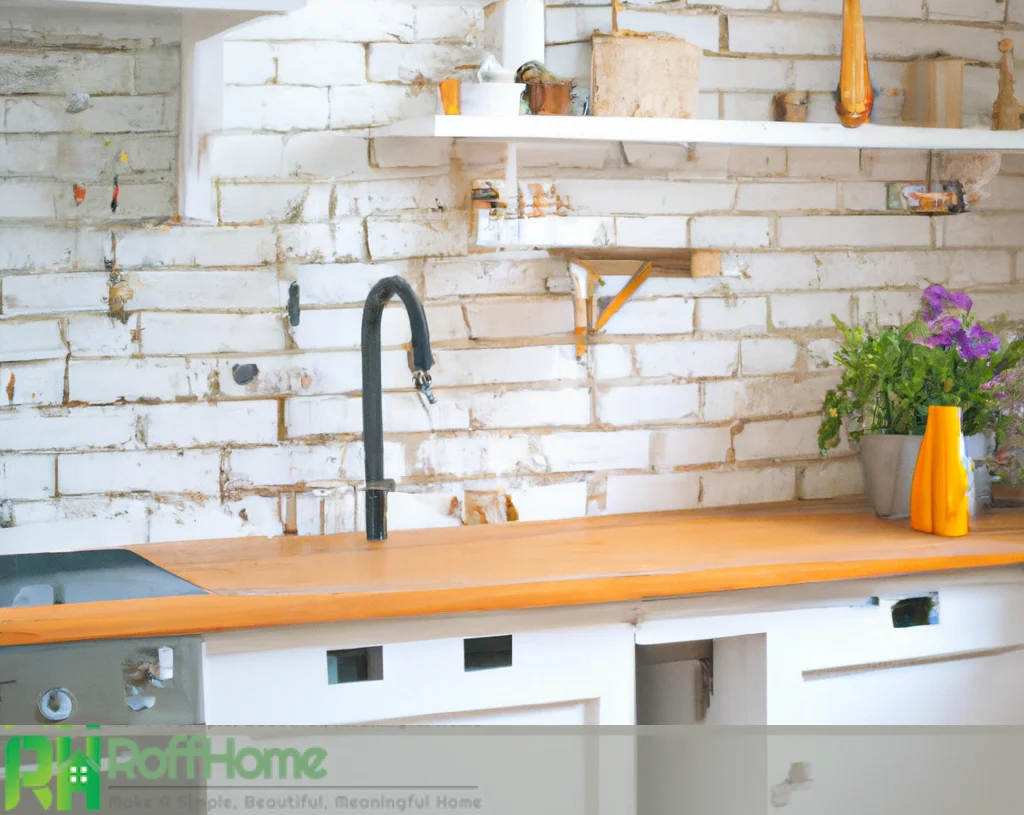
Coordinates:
<point>550,99</point>
<point>855,95</point>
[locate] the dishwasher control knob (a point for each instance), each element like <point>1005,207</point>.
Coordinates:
<point>56,704</point>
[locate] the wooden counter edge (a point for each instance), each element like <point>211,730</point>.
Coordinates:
<point>199,614</point>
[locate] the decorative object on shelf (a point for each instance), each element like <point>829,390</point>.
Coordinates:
<point>944,357</point>
<point>940,499</point>
<point>1006,110</point>
<point>941,198</point>
<point>495,93</point>
<point>546,94</point>
<point>856,98</point>
<point>933,90</point>
<point>973,171</point>
<point>643,75</point>
<point>790,106</point>
<point>450,96</point>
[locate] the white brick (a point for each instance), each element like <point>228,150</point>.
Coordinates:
<point>823,162</point>
<point>748,107</point>
<point>655,231</point>
<point>32,383</point>
<point>402,412</point>
<point>290,466</point>
<point>669,315</point>
<point>862,231</point>
<point>687,359</point>
<point>480,454</point>
<point>249,63</point>
<point>176,334</point>
<point>765,486</point>
<point>732,314</point>
<point>699,29</point>
<point>1005,192</point>
<point>39,339</point>
<point>378,21</point>
<point>66,428</point>
<point>889,39</point>
<point>821,354</point>
<point>731,232</point>
<point>689,446</point>
<point>321,63</point>
<point>788,438</point>
<point>451,278</point>
<point>618,450</point>
<point>205,290</point>
<point>372,105</point>
<point>871,8</point>
<point>196,246</point>
<point>550,502</point>
<point>158,70</point>
<point>1008,304</point>
<point>309,374</point>
<point>611,361</point>
<point>732,74</point>
<point>275,107</point>
<point>28,200</point>
<point>92,335</point>
<point>812,310</point>
<point>29,154</point>
<point>27,478</point>
<point>182,520</point>
<point>72,524</point>
<point>646,404</point>
<point>785,197</point>
<point>771,272</point>
<point>112,380</point>
<point>418,510</point>
<point>534,155</point>
<point>531,408</point>
<point>340,240</point>
<point>339,283</point>
<point>869,270</point>
<point>491,366</point>
<point>830,479</point>
<point>390,238</point>
<point>784,35</point>
<point>864,196</point>
<point>188,471</point>
<point>777,396</point>
<point>342,328</point>
<point>895,165</point>
<point>571,60</point>
<point>394,62</point>
<point>983,230</point>
<point>406,152</point>
<point>267,203</point>
<point>39,71</point>
<point>105,114</point>
<point>196,425</point>
<point>246,156</point>
<point>590,196</point>
<point>538,318</point>
<point>565,24</point>
<point>888,307</point>
<point>449,22</point>
<point>768,356</point>
<point>44,248</point>
<point>651,493</point>
<point>387,197</point>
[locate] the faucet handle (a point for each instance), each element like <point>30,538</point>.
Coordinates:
<point>421,379</point>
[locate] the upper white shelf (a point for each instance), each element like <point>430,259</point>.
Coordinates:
<point>703,131</point>
<point>254,6</point>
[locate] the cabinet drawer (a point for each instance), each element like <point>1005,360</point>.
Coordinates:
<point>363,682</point>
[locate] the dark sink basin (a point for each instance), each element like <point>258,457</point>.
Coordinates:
<point>85,577</point>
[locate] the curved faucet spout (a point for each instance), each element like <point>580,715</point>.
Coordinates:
<point>377,487</point>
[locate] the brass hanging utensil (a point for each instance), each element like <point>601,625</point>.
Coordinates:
<point>1006,110</point>
<point>855,95</point>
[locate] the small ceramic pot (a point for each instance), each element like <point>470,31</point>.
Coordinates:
<point>550,100</point>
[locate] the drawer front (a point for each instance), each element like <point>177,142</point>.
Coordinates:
<point>353,685</point>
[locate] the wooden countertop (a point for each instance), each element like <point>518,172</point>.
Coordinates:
<point>261,582</point>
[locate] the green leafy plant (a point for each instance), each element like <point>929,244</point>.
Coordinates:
<point>892,377</point>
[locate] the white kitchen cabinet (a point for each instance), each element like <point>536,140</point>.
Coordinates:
<point>578,675</point>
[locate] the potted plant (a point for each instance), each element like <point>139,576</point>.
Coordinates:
<point>892,376</point>
<point>1007,465</point>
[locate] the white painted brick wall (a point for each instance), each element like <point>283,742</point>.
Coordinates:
<point>123,429</point>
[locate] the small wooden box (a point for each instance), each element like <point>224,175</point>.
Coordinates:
<point>933,93</point>
<point>646,76</point>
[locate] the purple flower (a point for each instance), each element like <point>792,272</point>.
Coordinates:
<point>976,343</point>
<point>936,298</point>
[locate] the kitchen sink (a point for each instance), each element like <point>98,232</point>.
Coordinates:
<point>57,578</point>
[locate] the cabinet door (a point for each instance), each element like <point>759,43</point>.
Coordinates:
<point>581,675</point>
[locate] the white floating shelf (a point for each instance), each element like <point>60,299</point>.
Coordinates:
<point>254,6</point>
<point>702,131</point>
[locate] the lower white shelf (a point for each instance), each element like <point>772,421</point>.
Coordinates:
<point>703,131</point>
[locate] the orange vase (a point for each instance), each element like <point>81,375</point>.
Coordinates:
<point>939,500</point>
<point>855,95</point>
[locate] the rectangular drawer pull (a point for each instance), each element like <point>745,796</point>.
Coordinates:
<point>485,653</point>
<point>914,611</point>
<point>355,665</point>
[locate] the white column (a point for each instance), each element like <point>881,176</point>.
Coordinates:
<point>522,32</point>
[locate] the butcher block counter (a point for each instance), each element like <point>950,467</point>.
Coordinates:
<point>290,580</point>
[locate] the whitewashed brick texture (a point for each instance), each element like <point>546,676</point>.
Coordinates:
<point>124,414</point>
